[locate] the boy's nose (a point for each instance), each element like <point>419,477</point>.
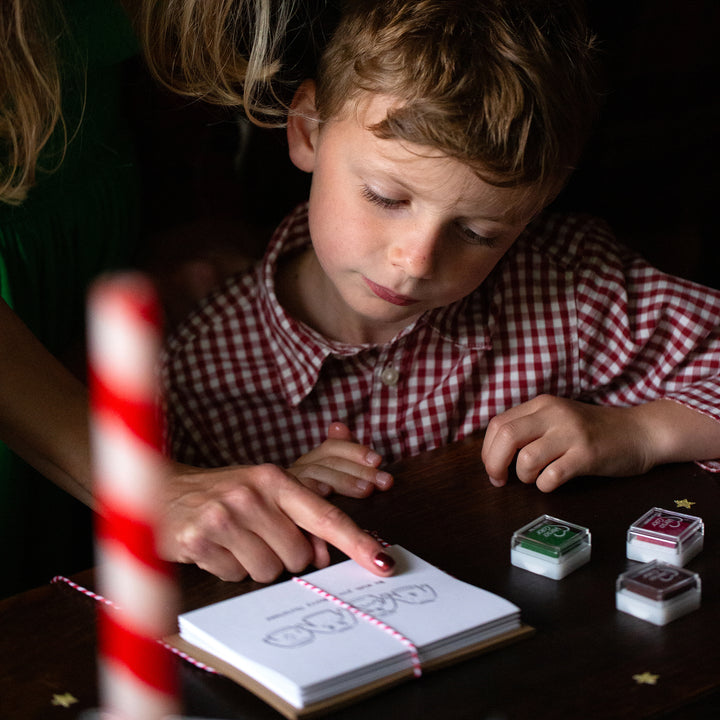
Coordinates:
<point>415,253</point>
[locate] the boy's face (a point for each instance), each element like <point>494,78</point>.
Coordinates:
<point>397,229</point>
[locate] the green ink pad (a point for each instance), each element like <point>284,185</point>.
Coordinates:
<point>550,546</point>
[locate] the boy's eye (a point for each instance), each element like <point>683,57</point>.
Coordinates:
<point>467,235</point>
<point>380,200</point>
<point>472,238</point>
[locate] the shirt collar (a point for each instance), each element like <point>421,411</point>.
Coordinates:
<point>299,352</point>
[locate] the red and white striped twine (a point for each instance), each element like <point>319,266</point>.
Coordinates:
<point>99,598</point>
<point>376,535</point>
<point>376,622</point>
<point>75,586</point>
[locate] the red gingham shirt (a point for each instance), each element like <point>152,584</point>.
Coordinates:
<point>567,312</point>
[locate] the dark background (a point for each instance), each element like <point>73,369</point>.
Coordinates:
<point>651,168</point>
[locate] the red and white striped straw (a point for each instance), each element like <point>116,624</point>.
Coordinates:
<point>136,674</point>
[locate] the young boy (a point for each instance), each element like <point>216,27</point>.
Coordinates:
<point>421,295</point>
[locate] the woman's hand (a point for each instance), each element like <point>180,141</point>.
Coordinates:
<point>257,521</point>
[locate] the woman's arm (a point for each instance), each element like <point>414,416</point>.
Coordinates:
<point>43,413</point>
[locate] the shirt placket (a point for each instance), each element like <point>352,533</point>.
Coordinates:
<point>386,403</point>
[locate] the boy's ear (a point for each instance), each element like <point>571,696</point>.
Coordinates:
<point>303,127</point>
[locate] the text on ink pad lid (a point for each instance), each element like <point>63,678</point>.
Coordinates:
<point>551,547</point>
<point>665,535</point>
<point>658,592</point>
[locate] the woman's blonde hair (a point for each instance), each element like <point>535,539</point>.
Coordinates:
<point>227,52</point>
<point>224,51</point>
<point>505,86</point>
<point>30,93</point>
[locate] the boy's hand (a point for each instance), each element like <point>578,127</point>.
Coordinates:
<point>257,521</point>
<point>341,465</point>
<point>556,439</point>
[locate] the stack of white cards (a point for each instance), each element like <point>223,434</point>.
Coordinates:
<point>300,651</point>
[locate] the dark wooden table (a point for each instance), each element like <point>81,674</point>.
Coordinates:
<point>579,664</point>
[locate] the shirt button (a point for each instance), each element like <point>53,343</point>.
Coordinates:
<point>390,376</point>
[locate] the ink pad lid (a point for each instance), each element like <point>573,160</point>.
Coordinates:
<point>550,546</point>
<point>658,581</point>
<point>550,536</point>
<point>658,592</point>
<point>665,535</point>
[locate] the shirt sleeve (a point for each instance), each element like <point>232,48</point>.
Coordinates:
<point>643,334</point>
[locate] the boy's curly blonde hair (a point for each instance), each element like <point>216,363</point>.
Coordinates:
<point>505,86</point>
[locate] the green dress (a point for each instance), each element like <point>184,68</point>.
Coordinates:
<point>78,221</point>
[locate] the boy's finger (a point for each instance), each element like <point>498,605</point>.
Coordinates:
<point>333,449</point>
<point>500,448</point>
<point>324,479</point>
<point>555,475</point>
<point>339,431</point>
<point>348,477</point>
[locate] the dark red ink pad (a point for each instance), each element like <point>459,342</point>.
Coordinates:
<point>658,592</point>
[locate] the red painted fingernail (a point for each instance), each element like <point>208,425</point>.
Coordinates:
<point>384,561</point>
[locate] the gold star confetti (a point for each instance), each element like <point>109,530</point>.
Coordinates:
<point>646,678</point>
<point>685,503</point>
<point>65,700</point>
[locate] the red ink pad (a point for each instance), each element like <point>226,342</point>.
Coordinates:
<point>665,535</point>
<point>658,592</point>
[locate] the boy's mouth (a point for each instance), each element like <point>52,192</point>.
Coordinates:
<point>388,295</point>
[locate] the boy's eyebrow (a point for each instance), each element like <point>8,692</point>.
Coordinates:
<point>513,215</point>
